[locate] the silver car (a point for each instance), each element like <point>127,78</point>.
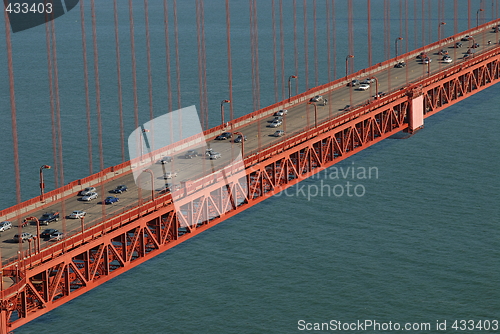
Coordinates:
<point>281,112</point>
<point>23,237</point>
<point>77,214</point>
<point>87,191</point>
<point>214,155</point>
<point>90,197</point>
<point>5,225</point>
<point>275,124</point>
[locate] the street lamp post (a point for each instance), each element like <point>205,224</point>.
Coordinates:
<point>477,16</point>
<point>144,131</point>
<point>42,184</point>
<point>222,109</point>
<point>376,87</point>
<point>37,231</point>
<point>396,45</point>
<point>147,170</point>
<point>315,113</point>
<point>242,144</point>
<point>290,86</point>
<point>439,29</point>
<point>82,221</point>
<point>346,64</point>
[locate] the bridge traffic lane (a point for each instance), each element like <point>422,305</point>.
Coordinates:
<point>258,134</point>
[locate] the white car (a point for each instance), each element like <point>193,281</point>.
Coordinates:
<point>169,175</point>
<point>316,98</point>
<point>56,236</point>
<point>281,112</point>
<point>368,81</point>
<point>364,86</point>
<point>77,214</point>
<point>87,191</point>
<point>214,155</point>
<point>275,123</point>
<point>427,60</point>
<point>447,59</point>
<point>5,225</point>
<point>90,197</point>
<point>279,133</point>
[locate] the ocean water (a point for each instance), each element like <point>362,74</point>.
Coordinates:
<point>417,242</point>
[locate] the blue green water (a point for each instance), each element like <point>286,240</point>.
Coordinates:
<point>421,245</point>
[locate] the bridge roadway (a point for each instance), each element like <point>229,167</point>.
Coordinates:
<point>299,117</point>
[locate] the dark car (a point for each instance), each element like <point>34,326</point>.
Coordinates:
<point>475,45</point>
<point>354,83</point>
<point>111,200</point>
<point>458,45</point>
<point>191,154</point>
<point>23,237</point>
<point>401,64</point>
<point>240,138</point>
<point>167,159</point>
<point>224,136</point>
<point>48,217</point>
<point>47,232</point>
<point>119,189</point>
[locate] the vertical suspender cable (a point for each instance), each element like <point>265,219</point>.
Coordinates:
<point>387,30</point>
<point>52,112</point>
<point>167,58</point>
<point>295,45</point>
<point>58,105</point>
<point>334,36</point>
<point>400,18</point>
<point>148,57</point>
<point>423,26</point>
<point>169,72</point>
<point>415,27</point>
<point>58,118</point>
<point>256,37</point>
<point>407,34</point>
<point>275,62</point>
<point>455,19</point>
<point>200,76</point>
<point>328,43</point>
<point>86,83</point>
<point>315,42</point>
<point>119,81</point>
<point>369,33</point>
<point>306,51</point>
<point>429,20</point>
<point>229,62</point>
<point>97,86</point>
<point>468,14</point>
<point>13,108</point>
<point>134,69</point>
<point>350,35</point>
<point>204,60</point>
<point>178,65</point>
<point>282,49</point>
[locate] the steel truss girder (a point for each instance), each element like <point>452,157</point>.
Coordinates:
<point>458,86</point>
